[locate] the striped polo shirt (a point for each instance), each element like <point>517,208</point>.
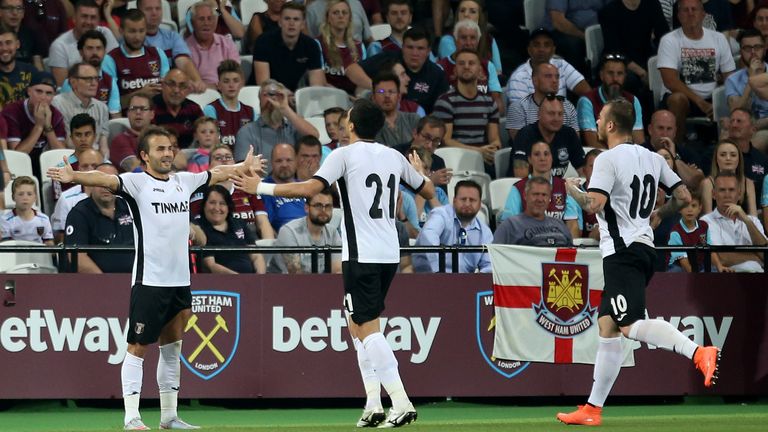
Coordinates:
<point>470,117</point>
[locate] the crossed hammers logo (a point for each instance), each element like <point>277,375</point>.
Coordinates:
<point>221,324</point>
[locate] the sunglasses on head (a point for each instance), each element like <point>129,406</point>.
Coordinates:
<point>614,57</point>
<point>553,96</point>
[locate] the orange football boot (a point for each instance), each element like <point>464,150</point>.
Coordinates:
<point>586,415</point>
<point>706,360</point>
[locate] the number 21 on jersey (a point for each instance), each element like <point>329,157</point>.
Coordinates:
<point>373,180</point>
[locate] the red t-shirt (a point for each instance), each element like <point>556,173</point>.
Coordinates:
<point>122,146</point>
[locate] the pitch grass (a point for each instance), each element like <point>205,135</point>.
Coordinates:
<point>434,417</point>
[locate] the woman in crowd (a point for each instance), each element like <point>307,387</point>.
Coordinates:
<point>337,45</point>
<point>727,156</point>
<point>487,48</point>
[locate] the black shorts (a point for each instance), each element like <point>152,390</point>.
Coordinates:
<point>152,308</point>
<point>365,287</point>
<point>626,274</point>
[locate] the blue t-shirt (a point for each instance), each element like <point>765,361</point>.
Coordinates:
<point>281,210</point>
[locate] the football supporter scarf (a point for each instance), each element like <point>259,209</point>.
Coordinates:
<point>546,302</point>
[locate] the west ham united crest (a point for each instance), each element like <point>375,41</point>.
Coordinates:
<point>564,309</point>
<point>212,333</point>
<point>486,329</point>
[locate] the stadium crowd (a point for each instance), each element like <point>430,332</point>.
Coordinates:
<point>82,80</point>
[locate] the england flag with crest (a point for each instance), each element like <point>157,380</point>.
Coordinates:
<point>546,302</point>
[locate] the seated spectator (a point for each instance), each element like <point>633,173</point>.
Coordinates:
<point>338,49</point>
<point>172,108</point>
<point>661,135</point>
<point>422,205</point>
<point>286,56</point>
<point>32,48</point>
<point>740,89</point>
<point>525,111</point>
<point>24,222</point>
<point>688,231</point>
<point>228,25</point>
<point>549,128</point>
<point>717,16</point>
<point>568,20</point>
<point>613,72</point>
<point>730,225</point>
<point>282,210</point>
<point>486,47</point>
<point>308,155</point>
<point>727,157</point>
<point>533,227</point>
<point>15,75</point>
<point>312,230</point>
<point>277,123</point>
<point>221,229</point>
<point>331,117</point>
<point>87,160</point>
<point>228,110</point>
<point>206,137</point>
<point>82,138</point>
<point>208,48</point>
<point>316,14</point>
<point>398,126</point>
<point>91,46</point>
<point>561,205</point>
<point>428,136</point>
<point>399,14</point>
<point>589,227</point>
<point>124,147</point>
<point>541,49</point>
<point>48,19</point>
<point>101,220</point>
<point>262,22</point>
<point>106,18</point>
<point>741,131</point>
<point>459,225</point>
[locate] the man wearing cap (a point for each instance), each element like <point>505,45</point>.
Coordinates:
<point>541,49</point>
<point>34,125</point>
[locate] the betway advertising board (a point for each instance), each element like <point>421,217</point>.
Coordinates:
<point>278,336</point>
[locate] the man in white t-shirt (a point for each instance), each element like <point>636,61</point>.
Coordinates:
<point>689,60</point>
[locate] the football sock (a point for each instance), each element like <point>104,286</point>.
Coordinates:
<point>662,334</point>
<point>370,380</point>
<point>168,378</point>
<point>131,374</point>
<point>607,367</point>
<point>383,360</point>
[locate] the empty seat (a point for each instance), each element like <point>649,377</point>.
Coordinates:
<point>19,163</point>
<point>50,158</point>
<point>460,159</point>
<point>313,101</point>
<point>249,95</point>
<point>203,99</point>
<point>499,190</point>
<point>25,262</point>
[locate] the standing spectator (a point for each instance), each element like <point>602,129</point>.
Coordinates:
<point>689,231</point>
<point>689,61</point>
<point>262,22</point>
<point>47,18</point>
<point>101,220</point>
<point>568,20</point>
<point>230,113</point>
<point>740,87</point>
<point>727,157</point>
<point>24,222</point>
<point>534,227</point>
<point>399,14</point>
<point>312,230</point>
<point>32,48</point>
<point>486,48</point>
<point>316,13</point>
<point>287,55</point>
<point>279,209</point>
<point>459,225</point>
<point>208,48</point>
<point>124,147</point>
<point>661,135</point>
<point>172,108</point>
<point>338,49</point>
<point>63,51</point>
<point>399,126</point>
<point>14,75</point>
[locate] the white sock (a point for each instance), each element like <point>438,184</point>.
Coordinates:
<point>607,367</point>
<point>383,360</point>
<point>370,380</point>
<point>131,375</point>
<point>662,334</point>
<point>168,379</point>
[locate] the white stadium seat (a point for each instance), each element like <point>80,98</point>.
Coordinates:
<point>203,99</point>
<point>319,124</point>
<point>249,95</point>
<point>181,12</point>
<point>25,262</point>
<point>381,31</point>
<point>501,162</point>
<point>19,163</point>
<point>534,11</point>
<point>246,65</point>
<point>654,81</point>
<point>593,36</point>
<point>481,178</point>
<point>312,101</point>
<point>499,190</point>
<point>48,159</point>
<point>116,127</point>
<point>460,159</point>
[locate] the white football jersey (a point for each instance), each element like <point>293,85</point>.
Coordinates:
<point>369,175</point>
<point>629,176</point>
<point>160,211</point>
<point>37,229</point>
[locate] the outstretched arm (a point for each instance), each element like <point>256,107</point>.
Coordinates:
<point>252,163</point>
<point>66,174</point>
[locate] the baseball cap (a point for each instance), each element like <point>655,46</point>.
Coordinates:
<point>541,31</point>
<point>42,77</point>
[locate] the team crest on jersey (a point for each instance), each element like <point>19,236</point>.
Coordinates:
<point>40,230</point>
<point>559,200</point>
<point>154,67</point>
<point>485,331</point>
<point>564,309</point>
<point>212,332</point>
<point>222,124</point>
<point>139,329</point>
<point>562,154</point>
<point>103,95</point>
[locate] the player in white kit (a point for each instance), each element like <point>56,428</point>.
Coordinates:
<point>368,176</point>
<point>622,191</point>
<point>160,296</point>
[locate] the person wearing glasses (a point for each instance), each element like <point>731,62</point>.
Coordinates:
<point>399,126</point>
<point>124,146</point>
<point>312,230</point>
<point>456,225</point>
<point>428,136</point>
<point>743,88</point>
<point>92,48</point>
<point>172,108</point>
<point>208,48</point>
<point>31,47</point>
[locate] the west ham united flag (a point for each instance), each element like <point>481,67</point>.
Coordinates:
<point>546,303</point>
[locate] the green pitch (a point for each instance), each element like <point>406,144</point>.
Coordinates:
<point>443,416</point>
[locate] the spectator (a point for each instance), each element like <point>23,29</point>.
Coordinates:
<point>525,111</point>
<point>47,18</point>
<point>740,87</point>
<point>15,75</point>
<point>727,157</point>
<point>24,222</point>
<point>689,231</point>
<point>106,18</point>
<point>63,51</point>
<point>229,25</point>
<point>227,110</point>
<point>312,230</point>
<point>170,42</point>
<point>84,79</point>
<point>331,116</point>
<point>124,147</point>
<point>549,128</point>
<point>338,49</point>
<point>486,47</point>
<point>561,205</point>
<point>316,12</point>
<point>533,227</point>
<point>428,136</point>
<point>221,229</point>
<point>393,65</point>
<point>88,159</point>
<point>760,19</point>
<point>101,220</point>
<point>64,205</point>
<point>613,72</point>
<point>661,135</point>
<point>31,47</point>
<point>541,49</point>
<point>279,209</point>
<point>372,11</point>
<point>172,108</point>
<point>135,66</point>
<point>689,60</point>
<point>717,16</point>
<point>208,48</point>
<point>82,136</point>
<point>568,20</point>
<point>730,225</point>
<point>741,129</point>
<point>458,225</point>
<point>34,125</point>
<point>399,15</point>
<point>277,123</point>
<point>91,46</point>
<point>589,227</point>
<point>308,155</point>
<point>287,55</point>
<point>262,22</point>
<point>399,126</point>
<point>206,137</point>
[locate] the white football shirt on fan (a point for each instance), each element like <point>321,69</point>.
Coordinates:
<point>37,229</point>
<point>629,175</point>
<point>369,175</point>
<point>160,211</point>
